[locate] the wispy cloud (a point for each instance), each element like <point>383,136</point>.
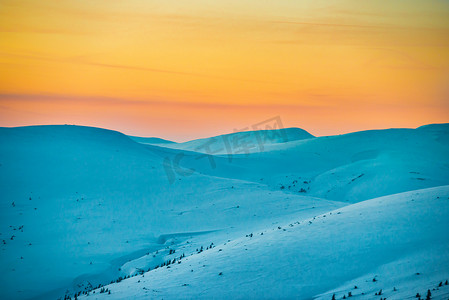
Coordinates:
<point>84,61</point>
<point>402,60</point>
<point>331,24</point>
<point>110,101</point>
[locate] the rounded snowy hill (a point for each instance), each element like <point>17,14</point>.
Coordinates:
<point>350,167</point>
<point>243,141</point>
<point>150,140</point>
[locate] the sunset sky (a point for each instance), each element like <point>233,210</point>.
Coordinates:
<point>189,69</point>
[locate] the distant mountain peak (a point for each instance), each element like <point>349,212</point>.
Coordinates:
<point>150,140</point>
<point>243,141</point>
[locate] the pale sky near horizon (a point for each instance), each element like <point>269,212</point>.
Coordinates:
<point>187,69</point>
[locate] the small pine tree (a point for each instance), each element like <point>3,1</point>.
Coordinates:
<point>333,297</point>
<point>349,294</point>
<point>446,283</point>
<point>429,295</point>
<point>441,284</point>
<point>418,295</point>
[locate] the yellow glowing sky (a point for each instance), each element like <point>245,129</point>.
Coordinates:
<point>187,69</point>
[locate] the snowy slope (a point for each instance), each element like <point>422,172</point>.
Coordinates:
<point>78,202</point>
<point>243,141</point>
<point>351,167</point>
<point>150,140</point>
<point>401,241</point>
<point>80,206</point>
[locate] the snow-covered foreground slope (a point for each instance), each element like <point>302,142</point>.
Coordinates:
<point>398,244</point>
<point>77,203</point>
<point>83,206</point>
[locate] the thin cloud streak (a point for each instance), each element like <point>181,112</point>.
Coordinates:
<point>331,24</point>
<point>77,60</point>
<point>84,100</point>
<point>360,26</point>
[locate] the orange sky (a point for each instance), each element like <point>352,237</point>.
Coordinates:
<point>188,69</point>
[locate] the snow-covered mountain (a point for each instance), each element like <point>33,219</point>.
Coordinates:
<point>243,141</point>
<point>150,140</point>
<point>350,168</point>
<point>83,206</point>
